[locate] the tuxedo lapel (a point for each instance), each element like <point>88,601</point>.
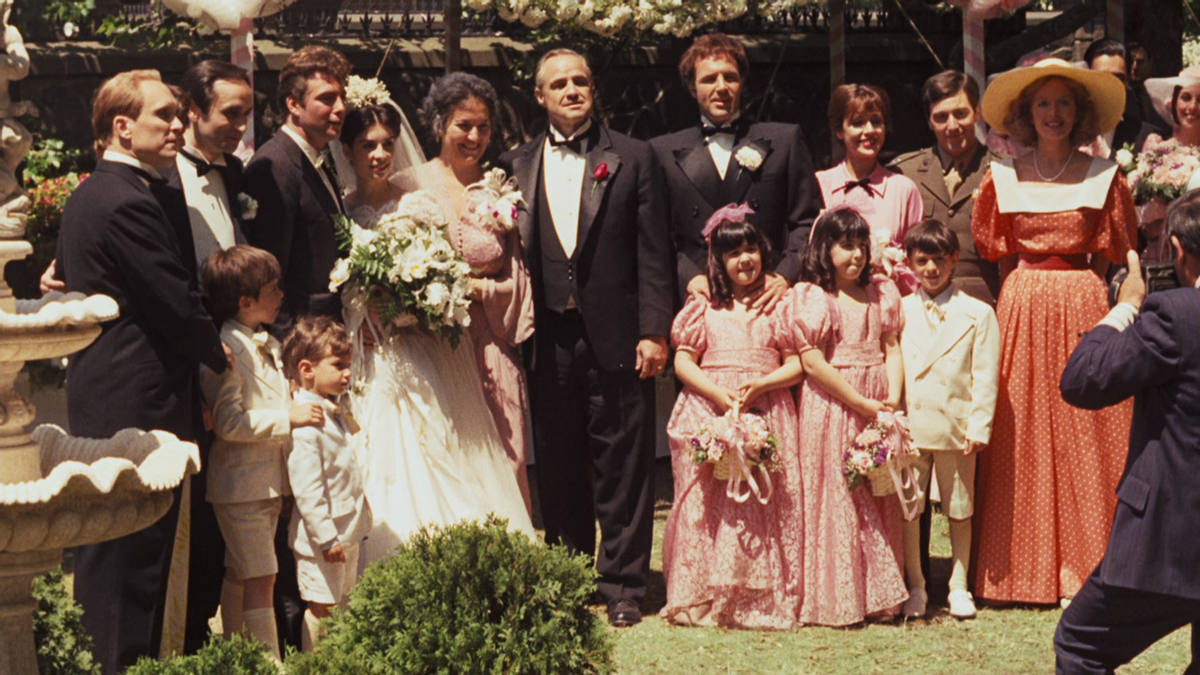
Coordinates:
<point>526,170</point>
<point>595,188</point>
<point>171,197</point>
<point>696,162</point>
<point>917,333</point>
<point>738,178</point>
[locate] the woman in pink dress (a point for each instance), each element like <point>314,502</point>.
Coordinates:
<point>859,115</point>
<point>459,110</point>
<point>845,324</point>
<point>729,564</point>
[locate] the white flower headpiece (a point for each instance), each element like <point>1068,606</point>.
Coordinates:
<point>361,92</point>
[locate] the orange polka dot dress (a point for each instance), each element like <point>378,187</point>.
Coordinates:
<point>1047,482</point>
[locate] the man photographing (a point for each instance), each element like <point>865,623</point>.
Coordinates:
<point>1149,347</point>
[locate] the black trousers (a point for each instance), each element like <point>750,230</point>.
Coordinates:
<point>1107,626</point>
<point>594,436</point>
<point>206,559</point>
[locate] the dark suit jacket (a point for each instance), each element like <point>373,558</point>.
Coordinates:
<point>1153,546</point>
<point>295,223</point>
<point>623,256</point>
<point>172,197</point>
<point>976,277</point>
<point>1131,130</point>
<point>141,371</point>
<point>783,192</point>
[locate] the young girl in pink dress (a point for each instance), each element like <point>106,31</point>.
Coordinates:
<point>845,325</point>
<point>729,564</point>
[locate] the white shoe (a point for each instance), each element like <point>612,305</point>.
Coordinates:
<point>962,605</point>
<point>914,607</point>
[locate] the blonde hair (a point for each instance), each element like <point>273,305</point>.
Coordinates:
<point>120,94</point>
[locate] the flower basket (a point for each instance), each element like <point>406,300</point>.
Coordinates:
<point>880,457</point>
<point>737,444</point>
<point>880,480</point>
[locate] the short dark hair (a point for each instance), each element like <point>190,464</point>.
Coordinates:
<point>1019,120</point>
<point>359,120</point>
<point>931,237</point>
<point>237,272</point>
<point>1183,221</point>
<point>947,84</point>
<point>712,44</point>
<point>306,62</point>
<point>448,92</point>
<point>833,226</point>
<point>1103,47</point>
<point>728,236</point>
<point>848,100</point>
<point>197,82</point>
<point>312,338</point>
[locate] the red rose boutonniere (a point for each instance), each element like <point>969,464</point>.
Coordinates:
<point>599,174</point>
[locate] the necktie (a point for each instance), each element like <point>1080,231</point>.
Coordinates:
<point>865,184</point>
<point>709,132</point>
<point>347,415</point>
<point>326,166</point>
<point>575,145</point>
<point>953,179</point>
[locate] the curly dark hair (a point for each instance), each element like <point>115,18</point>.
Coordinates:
<point>713,44</point>
<point>833,227</point>
<point>728,237</point>
<point>448,92</point>
<point>1019,120</point>
<point>359,120</point>
<point>304,64</point>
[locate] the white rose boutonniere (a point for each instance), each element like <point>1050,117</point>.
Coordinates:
<point>1124,158</point>
<point>749,158</point>
<point>248,205</point>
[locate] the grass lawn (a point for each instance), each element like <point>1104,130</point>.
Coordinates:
<point>1000,641</point>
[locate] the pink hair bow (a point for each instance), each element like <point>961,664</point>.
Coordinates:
<point>730,213</point>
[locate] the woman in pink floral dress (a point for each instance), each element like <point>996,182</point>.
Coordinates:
<point>729,564</point>
<point>845,325</point>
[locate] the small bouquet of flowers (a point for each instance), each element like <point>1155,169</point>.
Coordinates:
<point>880,456</point>
<point>888,259</point>
<point>735,444</point>
<point>408,257</point>
<point>1162,170</point>
<point>493,200</point>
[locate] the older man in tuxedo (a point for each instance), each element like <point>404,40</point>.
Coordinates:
<point>727,158</point>
<point>600,258</point>
<point>141,372</point>
<point>1147,347</point>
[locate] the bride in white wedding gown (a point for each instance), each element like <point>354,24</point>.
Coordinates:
<point>434,455</point>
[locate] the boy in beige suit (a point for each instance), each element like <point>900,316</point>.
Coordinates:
<point>951,349</point>
<point>253,418</point>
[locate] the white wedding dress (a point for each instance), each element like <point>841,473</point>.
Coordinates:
<point>433,454</point>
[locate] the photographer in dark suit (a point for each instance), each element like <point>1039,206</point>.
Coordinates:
<point>1147,585</point>
<point>728,159</point>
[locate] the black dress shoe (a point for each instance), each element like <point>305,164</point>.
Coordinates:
<point>624,613</point>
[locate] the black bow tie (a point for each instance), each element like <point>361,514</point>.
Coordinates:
<point>154,179</point>
<point>575,145</point>
<point>709,132</point>
<point>865,184</point>
<point>203,166</point>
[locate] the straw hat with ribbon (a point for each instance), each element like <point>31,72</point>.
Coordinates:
<point>1162,89</point>
<point>1107,92</point>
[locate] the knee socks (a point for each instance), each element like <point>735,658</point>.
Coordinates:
<point>311,631</point>
<point>260,624</point>
<point>231,608</point>
<point>912,555</point>
<point>960,552</point>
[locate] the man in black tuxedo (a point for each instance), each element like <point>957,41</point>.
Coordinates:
<point>1146,586</point>
<point>726,159</point>
<point>1108,56</point>
<point>599,253</point>
<point>294,182</point>
<point>141,372</point>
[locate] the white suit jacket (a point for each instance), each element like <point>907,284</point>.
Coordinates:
<point>328,479</point>
<point>249,404</point>
<point>950,381</point>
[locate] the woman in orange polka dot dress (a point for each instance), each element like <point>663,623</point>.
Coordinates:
<point>1055,219</point>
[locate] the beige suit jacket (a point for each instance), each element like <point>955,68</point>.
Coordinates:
<point>950,381</point>
<point>249,404</point>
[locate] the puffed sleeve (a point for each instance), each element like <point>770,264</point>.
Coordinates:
<point>808,323</point>
<point>891,312</point>
<point>689,332</point>
<point>1116,232</point>
<point>992,230</point>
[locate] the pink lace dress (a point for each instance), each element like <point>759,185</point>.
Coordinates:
<point>729,564</point>
<point>852,542</point>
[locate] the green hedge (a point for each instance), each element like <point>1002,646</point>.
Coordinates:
<point>63,647</point>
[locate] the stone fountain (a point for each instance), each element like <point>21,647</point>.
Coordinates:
<point>57,491</point>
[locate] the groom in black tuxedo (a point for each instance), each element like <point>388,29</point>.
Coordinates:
<point>727,159</point>
<point>141,372</point>
<point>293,179</point>
<point>600,257</point>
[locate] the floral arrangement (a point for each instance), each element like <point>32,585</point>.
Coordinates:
<point>888,259</point>
<point>493,200</point>
<point>407,257</point>
<point>362,92</point>
<point>736,443</point>
<point>610,17</point>
<point>880,455</point>
<point>1162,170</point>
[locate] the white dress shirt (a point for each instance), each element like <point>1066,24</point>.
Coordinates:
<point>317,158</point>
<point>122,158</point>
<point>208,206</point>
<point>720,146</point>
<point>563,175</point>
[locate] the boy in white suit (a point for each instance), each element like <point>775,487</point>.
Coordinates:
<point>327,475</point>
<point>253,418</point>
<point>951,349</point>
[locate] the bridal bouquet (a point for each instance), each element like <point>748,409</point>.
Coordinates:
<point>735,444</point>
<point>408,257</point>
<point>1160,171</point>
<point>880,455</point>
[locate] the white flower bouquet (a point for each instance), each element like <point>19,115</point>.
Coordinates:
<point>408,257</point>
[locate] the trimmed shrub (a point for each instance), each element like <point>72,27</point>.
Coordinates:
<point>238,656</point>
<point>467,599</point>
<point>63,646</point>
